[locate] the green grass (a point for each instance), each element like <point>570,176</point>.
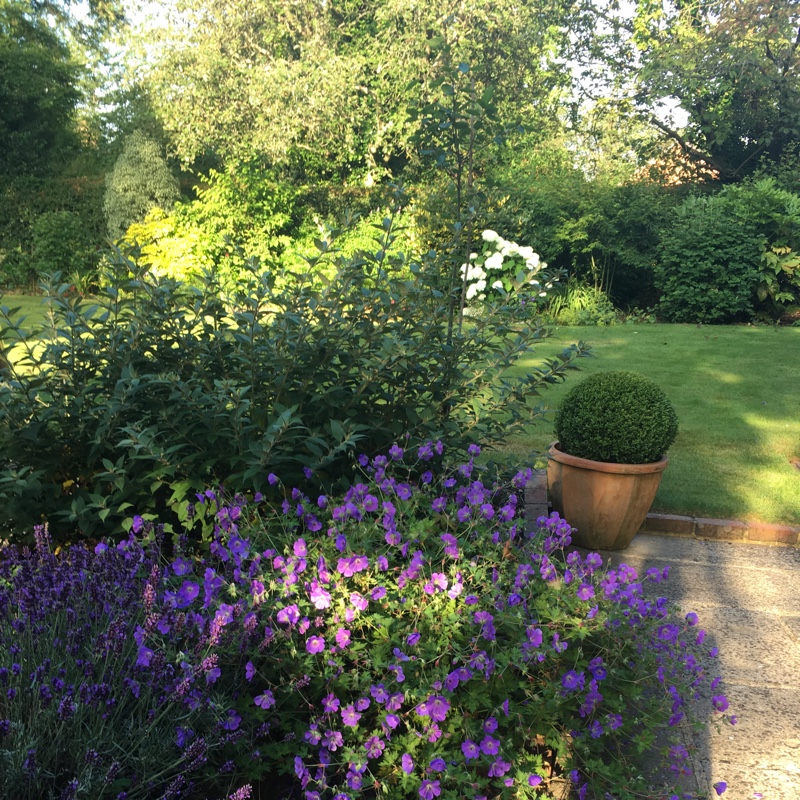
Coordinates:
<point>737,393</point>
<point>30,305</point>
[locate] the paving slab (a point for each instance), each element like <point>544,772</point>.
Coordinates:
<point>730,574</point>
<point>748,599</point>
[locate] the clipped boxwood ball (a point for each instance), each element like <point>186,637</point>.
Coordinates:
<point>617,417</point>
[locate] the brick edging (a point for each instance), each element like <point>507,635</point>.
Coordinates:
<point>730,530</point>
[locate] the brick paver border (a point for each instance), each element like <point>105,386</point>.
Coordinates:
<point>731,530</point>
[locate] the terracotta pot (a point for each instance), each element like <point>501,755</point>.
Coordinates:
<point>607,503</point>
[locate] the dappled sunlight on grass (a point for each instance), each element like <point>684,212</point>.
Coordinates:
<point>724,377</point>
<point>735,389</point>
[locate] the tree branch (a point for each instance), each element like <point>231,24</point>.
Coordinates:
<point>689,149</point>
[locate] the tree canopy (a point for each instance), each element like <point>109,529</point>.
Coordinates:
<point>326,85</point>
<point>732,66</point>
<point>38,94</point>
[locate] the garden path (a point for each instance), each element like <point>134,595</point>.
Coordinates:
<point>747,597</point>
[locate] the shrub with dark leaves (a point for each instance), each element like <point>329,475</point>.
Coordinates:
<point>137,397</point>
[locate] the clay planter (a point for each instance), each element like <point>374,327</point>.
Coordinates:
<point>607,503</point>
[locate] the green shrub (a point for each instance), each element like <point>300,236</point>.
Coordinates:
<point>62,244</point>
<point>773,214</point>
<point>58,220</point>
<point>732,256</point>
<point>617,417</point>
<point>709,264</point>
<point>139,181</point>
<point>157,388</point>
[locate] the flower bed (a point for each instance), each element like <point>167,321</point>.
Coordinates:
<point>406,640</point>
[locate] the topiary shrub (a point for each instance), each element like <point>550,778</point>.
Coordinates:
<point>617,417</point>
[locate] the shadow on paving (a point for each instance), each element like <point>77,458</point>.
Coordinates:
<point>747,597</point>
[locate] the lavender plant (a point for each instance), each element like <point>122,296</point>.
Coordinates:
<point>408,639</point>
<point>84,712</point>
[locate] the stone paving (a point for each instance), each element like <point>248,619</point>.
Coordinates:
<point>748,599</point>
<point>747,596</point>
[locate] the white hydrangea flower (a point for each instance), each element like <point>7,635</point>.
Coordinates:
<point>497,285</point>
<point>472,290</point>
<point>475,273</point>
<point>490,236</point>
<point>506,250</point>
<point>495,261</point>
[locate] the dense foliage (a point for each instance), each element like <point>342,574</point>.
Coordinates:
<point>731,256</point>
<point>708,271</point>
<point>408,639</point>
<point>155,388</point>
<point>617,417</point>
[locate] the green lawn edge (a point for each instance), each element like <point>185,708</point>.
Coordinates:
<point>736,391</point>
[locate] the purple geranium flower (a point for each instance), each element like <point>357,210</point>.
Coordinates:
<point>333,740</point>
<point>289,615</point>
<point>720,702</point>
<point>186,594</point>
<point>585,591</point>
<point>350,716</point>
<point>330,703</point>
<point>265,699</point>
<point>499,768</point>
<point>232,720</point>
<point>572,680</point>
<point>435,707</point>
<point>374,746</point>
<point>470,749</point>
<point>429,789</point>
<point>343,637</point>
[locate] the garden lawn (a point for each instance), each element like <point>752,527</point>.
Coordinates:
<point>737,393</point>
<point>30,305</point>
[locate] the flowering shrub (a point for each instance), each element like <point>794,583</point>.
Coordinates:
<point>502,267</point>
<point>407,640</point>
